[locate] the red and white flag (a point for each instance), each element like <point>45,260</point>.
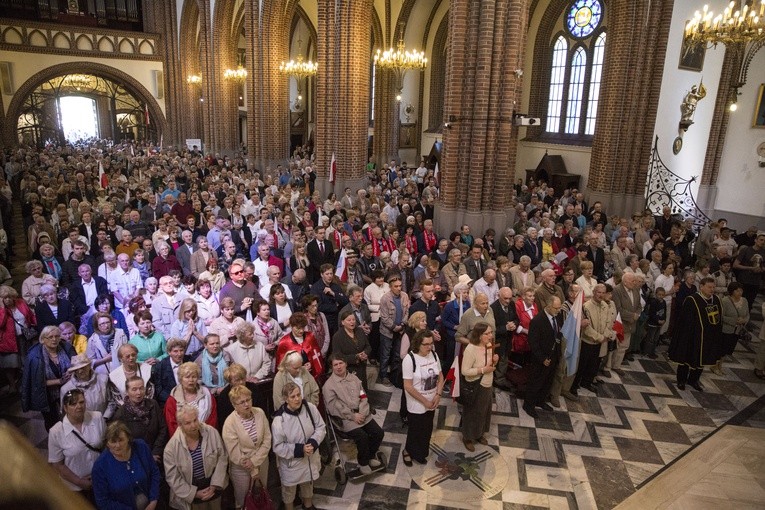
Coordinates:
<point>332,169</point>
<point>341,271</point>
<point>619,327</point>
<point>435,174</point>
<point>147,120</point>
<point>103,180</point>
<point>453,376</point>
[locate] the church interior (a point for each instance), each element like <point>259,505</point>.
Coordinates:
<point>605,96</point>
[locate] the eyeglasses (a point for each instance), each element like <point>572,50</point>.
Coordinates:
<point>429,344</point>
<point>236,273</point>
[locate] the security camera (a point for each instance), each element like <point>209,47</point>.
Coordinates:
<point>521,120</point>
<point>448,125</point>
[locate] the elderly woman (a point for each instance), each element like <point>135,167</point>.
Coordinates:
<point>250,354</point>
<point>189,328</point>
<point>152,289</point>
<point>267,330</point>
<point>104,342</point>
<point>587,282</point>
<point>45,371</point>
<point>293,369</point>
<point>15,318</point>
<point>247,438</point>
<point>236,375</point>
<point>189,392</point>
<point>149,342</point>
<point>347,400</point>
<point>125,475</point>
<point>51,311</point>
<point>227,324</point>
<point>135,305</point>
<point>213,362</point>
<point>164,262</point>
<point>208,308</point>
<point>142,416</point>
<point>195,463</point>
<point>213,275</point>
<point>95,386</point>
<point>104,304</point>
<point>735,317</point>
<point>129,367</point>
<point>74,442</point>
<point>317,322</point>
<point>350,344</point>
<point>478,365</point>
<point>69,334</point>
<point>297,430</point>
<point>30,288</point>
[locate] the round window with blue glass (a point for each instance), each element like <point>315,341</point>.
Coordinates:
<point>583,17</point>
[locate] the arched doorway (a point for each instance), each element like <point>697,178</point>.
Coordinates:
<point>122,107</point>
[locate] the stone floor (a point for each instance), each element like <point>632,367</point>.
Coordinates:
<point>594,453</point>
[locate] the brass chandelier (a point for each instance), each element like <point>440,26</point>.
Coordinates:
<point>399,61</point>
<point>741,29</point>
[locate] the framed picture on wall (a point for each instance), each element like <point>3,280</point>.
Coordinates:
<point>407,135</point>
<point>692,57</point>
<point>759,110</point>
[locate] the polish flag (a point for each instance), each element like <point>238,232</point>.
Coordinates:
<point>103,180</point>
<point>147,120</point>
<point>619,328</point>
<point>341,271</point>
<point>332,169</point>
<point>453,376</point>
<point>435,174</point>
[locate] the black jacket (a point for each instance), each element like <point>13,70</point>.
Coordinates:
<point>77,293</point>
<point>45,315</point>
<point>542,338</point>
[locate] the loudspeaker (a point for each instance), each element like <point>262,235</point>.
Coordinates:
<point>159,84</point>
<point>6,78</point>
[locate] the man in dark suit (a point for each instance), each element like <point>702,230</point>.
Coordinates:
<point>597,256</point>
<point>164,375</point>
<point>184,252</point>
<point>319,252</point>
<point>84,290</point>
<point>544,341</point>
<point>506,321</point>
<point>474,263</point>
<point>72,264</point>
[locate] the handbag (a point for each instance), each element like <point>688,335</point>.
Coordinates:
<point>744,336</point>
<point>257,498</point>
<point>28,332</point>
<point>469,389</point>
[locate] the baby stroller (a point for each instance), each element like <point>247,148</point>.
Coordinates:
<point>338,459</point>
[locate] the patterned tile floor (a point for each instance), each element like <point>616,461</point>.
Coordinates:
<point>593,453</point>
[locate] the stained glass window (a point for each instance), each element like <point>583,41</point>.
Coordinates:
<point>583,17</point>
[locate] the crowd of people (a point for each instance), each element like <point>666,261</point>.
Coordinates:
<point>191,318</point>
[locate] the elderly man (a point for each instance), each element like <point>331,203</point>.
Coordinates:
<point>506,321</point>
<point>453,269</point>
<point>185,251</point>
<point>599,331</point>
<point>626,297</point>
<point>479,312</point>
<point>474,263</point>
<point>85,289</point>
<point>488,285</point>
<point>522,276</point>
<point>544,293</point>
<point>196,463</point>
<point>125,281</point>
<point>274,273</point>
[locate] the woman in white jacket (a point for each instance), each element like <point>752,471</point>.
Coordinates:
<point>297,430</point>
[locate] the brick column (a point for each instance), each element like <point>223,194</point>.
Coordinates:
<point>342,90</point>
<point>385,142</point>
<point>629,97</point>
<point>486,42</point>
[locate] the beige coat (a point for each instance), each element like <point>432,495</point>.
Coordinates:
<point>343,396</point>
<point>240,446</point>
<point>310,387</point>
<point>178,467</point>
<point>601,326</point>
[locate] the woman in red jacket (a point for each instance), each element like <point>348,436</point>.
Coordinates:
<point>525,309</point>
<point>304,342</point>
<point>15,315</point>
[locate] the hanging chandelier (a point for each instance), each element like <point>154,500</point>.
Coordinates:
<point>299,68</point>
<point>194,79</point>
<point>741,30</point>
<point>237,75</point>
<point>401,59</point>
<point>78,81</point>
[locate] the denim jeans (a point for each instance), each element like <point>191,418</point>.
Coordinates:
<point>389,358</point>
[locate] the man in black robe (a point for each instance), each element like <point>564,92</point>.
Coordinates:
<point>698,334</point>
